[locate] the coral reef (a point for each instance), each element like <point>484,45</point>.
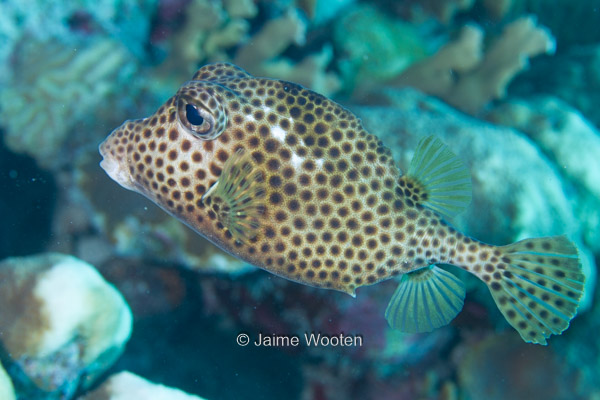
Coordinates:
<point>573,76</point>
<point>127,21</point>
<point>126,386</point>
<point>447,11</point>
<point>518,371</point>
<point>570,141</point>
<point>444,10</point>
<point>62,324</point>
<point>40,111</point>
<point>498,158</point>
<point>573,22</point>
<point>131,226</point>
<point>260,55</point>
<point>369,55</point>
<point>72,71</point>
<point>220,31</point>
<point>468,80</point>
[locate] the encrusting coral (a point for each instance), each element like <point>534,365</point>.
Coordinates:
<point>570,141</point>
<point>366,55</point>
<point>63,325</point>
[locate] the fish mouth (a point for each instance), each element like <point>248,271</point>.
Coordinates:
<point>115,168</point>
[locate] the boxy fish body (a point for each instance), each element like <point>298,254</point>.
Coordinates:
<point>291,182</point>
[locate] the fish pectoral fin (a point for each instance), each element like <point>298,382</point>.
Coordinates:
<point>425,300</point>
<point>437,178</point>
<point>237,196</point>
<point>539,287</point>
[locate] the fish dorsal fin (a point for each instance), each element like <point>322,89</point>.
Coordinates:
<point>237,196</point>
<point>220,71</point>
<point>437,178</point>
<point>425,300</point>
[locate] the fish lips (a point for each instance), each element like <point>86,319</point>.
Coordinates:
<point>115,168</point>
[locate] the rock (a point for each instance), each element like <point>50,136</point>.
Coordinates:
<point>568,139</point>
<point>504,367</point>
<point>127,386</point>
<point>63,325</point>
<point>7,392</point>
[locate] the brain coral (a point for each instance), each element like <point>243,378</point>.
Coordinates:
<point>55,86</point>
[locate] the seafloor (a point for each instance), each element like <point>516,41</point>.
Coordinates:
<point>104,296</point>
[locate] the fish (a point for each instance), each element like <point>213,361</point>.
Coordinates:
<point>291,182</point>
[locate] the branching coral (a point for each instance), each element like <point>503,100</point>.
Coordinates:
<point>260,55</point>
<point>275,36</point>
<point>436,74</point>
<point>445,10</point>
<point>462,77</point>
<point>219,31</point>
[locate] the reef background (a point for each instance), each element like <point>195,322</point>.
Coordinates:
<point>510,85</point>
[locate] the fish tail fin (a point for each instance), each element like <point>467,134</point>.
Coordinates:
<point>537,285</point>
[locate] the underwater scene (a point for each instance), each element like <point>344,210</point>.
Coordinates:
<point>299,199</point>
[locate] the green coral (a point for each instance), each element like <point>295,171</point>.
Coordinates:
<point>374,46</point>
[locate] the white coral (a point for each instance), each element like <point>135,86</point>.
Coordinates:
<point>58,311</point>
<point>128,386</point>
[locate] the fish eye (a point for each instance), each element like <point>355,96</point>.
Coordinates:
<point>193,115</point>
<point>203,117</point>
<point>196,119</point>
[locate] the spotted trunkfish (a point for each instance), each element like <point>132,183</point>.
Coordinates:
<point>291,182</point>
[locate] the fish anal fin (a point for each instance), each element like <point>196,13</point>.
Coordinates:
<point>437,178</point>
<point>425,300</point>
<point>237,197</point>
<point>539,286</point>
